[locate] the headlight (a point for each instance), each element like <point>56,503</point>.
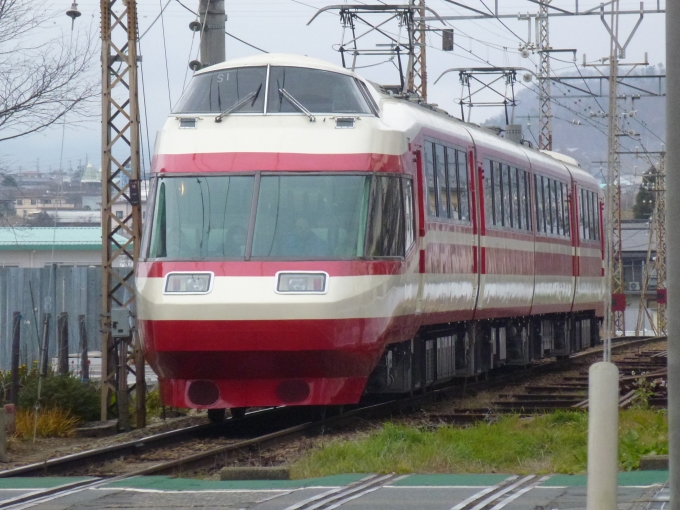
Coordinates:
<point>192,283</point>
<point>302,283</point>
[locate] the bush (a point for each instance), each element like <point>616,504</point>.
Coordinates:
<point>66,392</point>
<point>51,423</point>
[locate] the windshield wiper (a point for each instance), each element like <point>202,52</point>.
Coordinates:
<point>297,104</point>
<point>236,106</point>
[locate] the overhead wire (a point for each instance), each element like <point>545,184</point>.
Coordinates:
<point>165,51</point>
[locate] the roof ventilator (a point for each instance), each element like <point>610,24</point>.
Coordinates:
<point>187,123</point>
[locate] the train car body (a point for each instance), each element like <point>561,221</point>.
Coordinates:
<point>312,238</point>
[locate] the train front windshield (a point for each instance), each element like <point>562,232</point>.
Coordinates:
<point>297,217</point>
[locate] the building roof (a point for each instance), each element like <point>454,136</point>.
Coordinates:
<point>635,236</point>
<point>43,238</point>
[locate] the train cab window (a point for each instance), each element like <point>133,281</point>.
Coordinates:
<point>217,91</point>
<point>201,218</point>
<point>318,91</point>
<point>385,233</point>
<point>446,174</point>
<point>303,217</point>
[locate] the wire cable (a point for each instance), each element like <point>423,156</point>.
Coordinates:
<point>165,52</point>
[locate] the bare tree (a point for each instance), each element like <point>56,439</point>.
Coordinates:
<point>42,77</point>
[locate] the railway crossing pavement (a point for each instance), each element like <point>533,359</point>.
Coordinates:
<point>639,490</point>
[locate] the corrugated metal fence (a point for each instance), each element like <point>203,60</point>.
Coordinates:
<point>53,290</point>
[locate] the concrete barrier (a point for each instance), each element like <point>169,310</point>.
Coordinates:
<point>10,419</point>
<point>3,437</point>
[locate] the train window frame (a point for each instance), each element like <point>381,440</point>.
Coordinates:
<point>443,212</point>
<point>509,210</point>
<point>409,214</point>
<point>353,79</point>
<point>551,209</point>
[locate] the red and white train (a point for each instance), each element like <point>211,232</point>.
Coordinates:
<point>312,238</point>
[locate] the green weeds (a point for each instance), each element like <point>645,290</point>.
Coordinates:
<point>553,443</point>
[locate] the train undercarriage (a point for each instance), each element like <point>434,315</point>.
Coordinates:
<point>443,352</point>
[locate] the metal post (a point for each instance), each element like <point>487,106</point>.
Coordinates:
<point>84,361</point>
<point>544,110</point>
<point>618,322</point>
<point>121,186</point>
<point>140,380</point>
<point>417,79</point>
<point>16,344</point>
<point>62,343</point>
<point>45,346</point>
<point>672,165</point>
<point>212,17</point>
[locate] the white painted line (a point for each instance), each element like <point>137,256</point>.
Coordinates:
<point>480,494</point>
<point>520,492</point>
<point>507,489</point>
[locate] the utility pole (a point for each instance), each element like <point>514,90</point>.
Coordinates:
<point>417,79</point>
<point>672,181</point>
<point>212,25</point>
<point>121,237</point>
<point>545,112</point>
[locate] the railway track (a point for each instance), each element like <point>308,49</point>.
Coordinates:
<point>159,454</point>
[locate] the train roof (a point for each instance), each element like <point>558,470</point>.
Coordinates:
<point>280,59</point>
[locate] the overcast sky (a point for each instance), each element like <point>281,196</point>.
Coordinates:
<point>280,26</point>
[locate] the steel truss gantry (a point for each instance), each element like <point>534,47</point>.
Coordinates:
<point>121,237</point>
<point>412,44</point>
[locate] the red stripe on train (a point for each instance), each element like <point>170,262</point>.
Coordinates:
<point>275,161</point>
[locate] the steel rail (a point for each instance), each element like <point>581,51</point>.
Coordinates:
<point>211,458</point>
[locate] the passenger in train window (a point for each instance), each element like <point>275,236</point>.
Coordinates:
<point>302,239</point>
<point>235,243</point>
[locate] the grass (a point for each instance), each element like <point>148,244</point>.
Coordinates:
<point>51,423</point>
<point>553,443</point>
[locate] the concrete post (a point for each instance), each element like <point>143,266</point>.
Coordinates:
<point>211,15</point>
<point>603,437</point>
<point>673,245</point>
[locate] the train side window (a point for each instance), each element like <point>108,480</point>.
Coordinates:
<point>505,187</point>
<point>560,210</point>
<point>581,210</point>
<point>547,206</point>
<point>461,157</point>
<point>409,217</point>
<point>497,195</point>
<point>451,172</point>
<point>523,199</point>
<point>514,177</point>
<point>385,236</point>
<point>538,196</point>
<point>440,165</point>
<point>432,204</point>
<point>593,216</point>
<point>488,193</point>
<point>567,209</point>
<point>557,224</point>
<point>586,214</point>
<point>596,200</point>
